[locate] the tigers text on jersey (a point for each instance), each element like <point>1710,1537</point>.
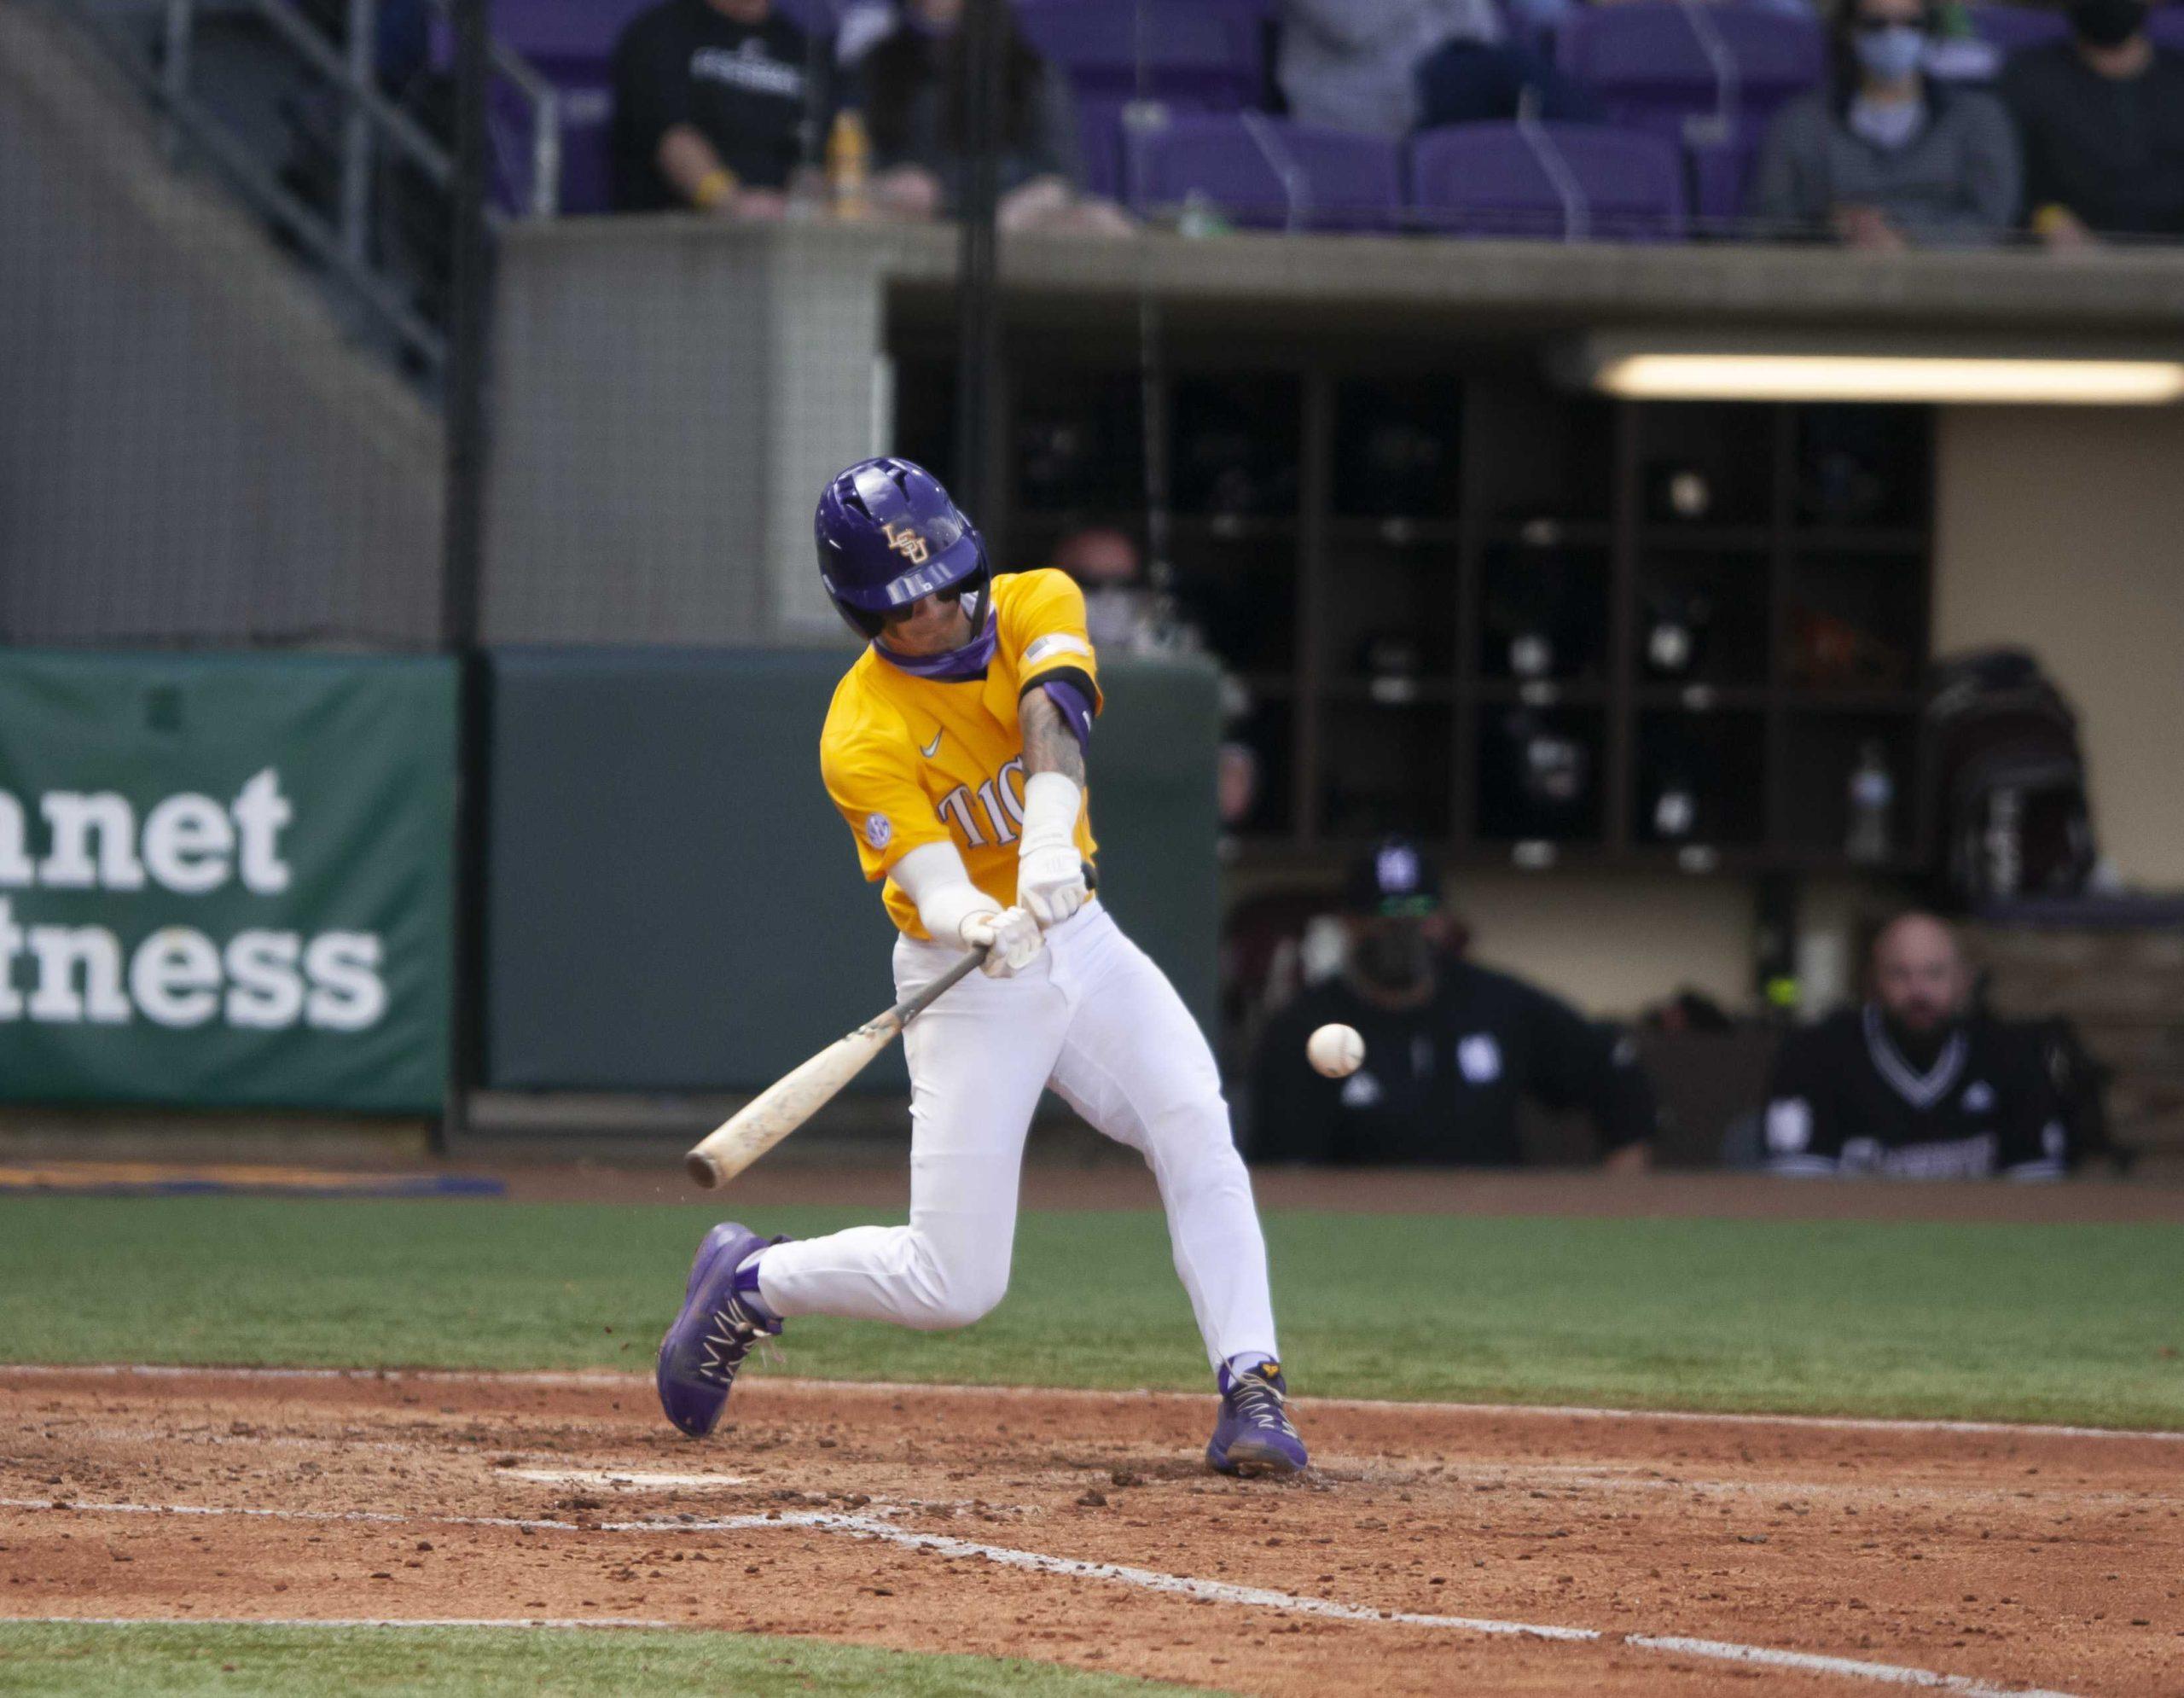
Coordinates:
<point>1844,1099</point>
<point>911,760</point>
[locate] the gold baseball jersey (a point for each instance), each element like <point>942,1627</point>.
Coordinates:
<point>911,760</point>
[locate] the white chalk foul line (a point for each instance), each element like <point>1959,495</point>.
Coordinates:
<point>1145,1579</point>
<point>624,1479</point>
<point>608,1381</point>
<point>1221,1591</point>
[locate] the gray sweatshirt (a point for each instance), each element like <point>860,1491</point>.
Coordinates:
<point>1955,182</point>
<point>1352,64</point>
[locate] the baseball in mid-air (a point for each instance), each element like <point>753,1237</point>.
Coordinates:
<point>1336,1051</point>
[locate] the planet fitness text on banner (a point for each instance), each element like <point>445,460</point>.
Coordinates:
<point>189,844</point>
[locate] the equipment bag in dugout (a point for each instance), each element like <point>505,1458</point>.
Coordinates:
<point>2007,781</point>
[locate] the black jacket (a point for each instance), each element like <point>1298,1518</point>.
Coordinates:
<point>1844,1099</point>
<point>757,92</point>
<point>1440,1083</point>
<point>2111,150</point>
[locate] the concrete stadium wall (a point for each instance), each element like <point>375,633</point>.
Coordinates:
<point>1612,943</point>
<point>190,452</point>
<point>2062,530</point>
<point>709,927</point>
<point>670,396</point>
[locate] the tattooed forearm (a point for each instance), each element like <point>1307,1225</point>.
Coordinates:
<point>1050,746</point>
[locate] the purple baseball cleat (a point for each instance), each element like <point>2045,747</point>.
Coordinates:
<point>718,1325</point>
<point>1254,1434</point>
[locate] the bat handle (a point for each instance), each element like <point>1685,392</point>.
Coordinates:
<point>912,1006</point>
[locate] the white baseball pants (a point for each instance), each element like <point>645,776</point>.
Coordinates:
<point>1093,1017</point>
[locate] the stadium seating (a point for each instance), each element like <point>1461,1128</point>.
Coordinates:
<point>2009,28</point>
<point>570,43</point>
<point>564,36</point>
<point>1180,57</point>
<point>1570,182</point>
<point>1159,87</point>
<point>1706,79</point>
<point>1657,66</point>
<point>1206,54</point>
<point>1265,171</point>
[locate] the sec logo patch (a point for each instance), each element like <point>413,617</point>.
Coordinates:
<point>878,830</point>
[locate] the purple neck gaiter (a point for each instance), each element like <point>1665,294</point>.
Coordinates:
<point>957,666</point>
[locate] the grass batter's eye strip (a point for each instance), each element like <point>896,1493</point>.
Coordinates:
<point>1148,1579</point>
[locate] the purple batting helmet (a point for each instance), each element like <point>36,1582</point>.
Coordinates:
<point>888,534</point>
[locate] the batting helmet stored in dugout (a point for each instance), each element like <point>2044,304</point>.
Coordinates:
<point>888,534</point>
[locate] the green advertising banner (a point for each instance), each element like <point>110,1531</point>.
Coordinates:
<point>226,879</point>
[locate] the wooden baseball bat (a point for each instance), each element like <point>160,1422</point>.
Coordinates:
<point>794,1098</point>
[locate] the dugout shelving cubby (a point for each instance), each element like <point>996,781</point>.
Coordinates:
<point>1534,626</point>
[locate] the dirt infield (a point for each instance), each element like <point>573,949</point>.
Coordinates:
<point>1080,1527</point>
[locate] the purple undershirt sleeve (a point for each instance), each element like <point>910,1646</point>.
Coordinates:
<point>1076,708</point>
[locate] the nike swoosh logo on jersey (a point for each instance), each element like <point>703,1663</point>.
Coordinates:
<point>931,749</point>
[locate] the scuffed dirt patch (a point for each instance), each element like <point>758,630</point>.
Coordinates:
<point>2011,1557</point>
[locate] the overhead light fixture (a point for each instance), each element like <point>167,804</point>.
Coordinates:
<point>1887,377</point>
<point>1669,367</point>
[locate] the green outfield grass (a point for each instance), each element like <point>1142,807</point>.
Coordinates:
<point>158,1659</point>
<point>2059,1323</point>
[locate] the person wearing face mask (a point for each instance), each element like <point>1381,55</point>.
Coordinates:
<point>1885,157</point>
<point>1912,1085</point>
<point>2102,116</point>
<point>1451,1049</point>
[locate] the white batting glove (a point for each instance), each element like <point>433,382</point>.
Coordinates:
<point>1049,872</point>
<point>1050,882</point>
<point>1010,938</point>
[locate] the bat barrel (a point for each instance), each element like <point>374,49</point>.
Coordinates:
<point>702,1170</point>
<point>796,1096</point>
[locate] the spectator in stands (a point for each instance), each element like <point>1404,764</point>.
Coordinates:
<point>1887,158</point>
<point>2102,117</point>
<point>915,102</point>
<point>1450,1049</point>
<point>1386,67</point>
<point>1124,614</point>
<point>718,106</point>
<point>1911,1084</point>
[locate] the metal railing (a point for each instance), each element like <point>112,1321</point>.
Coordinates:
<point>374,136</point>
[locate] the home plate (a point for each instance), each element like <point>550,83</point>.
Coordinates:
<point>623,1479</point>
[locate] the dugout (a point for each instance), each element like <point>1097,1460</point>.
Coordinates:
<point>670,391</point>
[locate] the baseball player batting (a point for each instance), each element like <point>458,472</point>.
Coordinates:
<point>956,750</point>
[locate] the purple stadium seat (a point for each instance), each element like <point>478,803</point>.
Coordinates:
<point>1706,77</point>
<point>1564,182</point>
<point>1204,52</point>
<point>2008,28</point>
<point>565,35</point>
<point>1103,124</point>
<point>1651,60</point>
<point>579,34</point>
<point>1265,171</point>
<point>1721,165</point>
